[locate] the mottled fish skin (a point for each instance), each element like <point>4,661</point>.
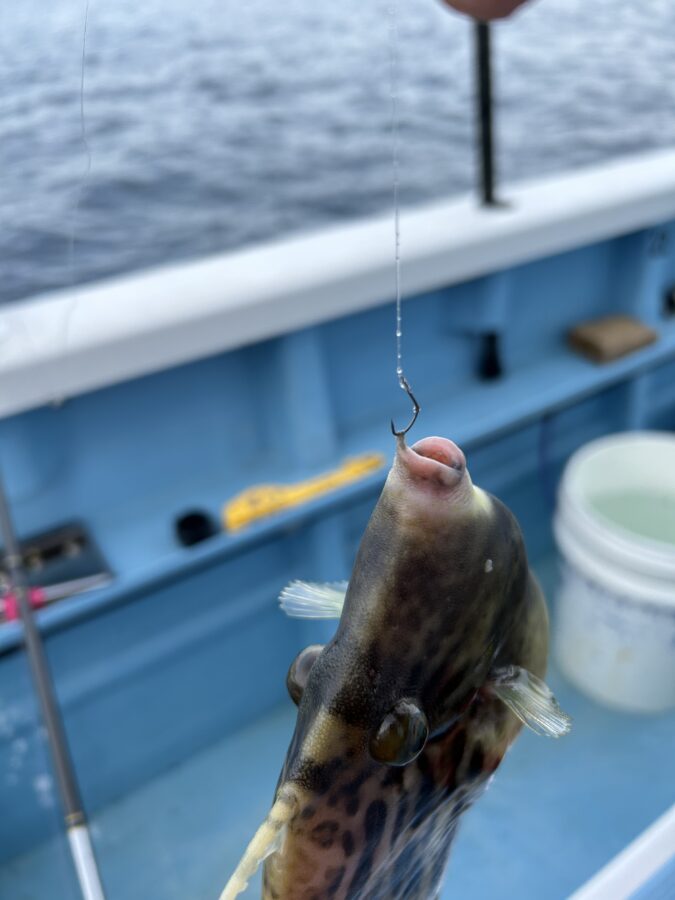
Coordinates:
<point>440,595</point>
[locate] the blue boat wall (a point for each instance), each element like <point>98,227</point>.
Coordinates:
<point>187,644</point>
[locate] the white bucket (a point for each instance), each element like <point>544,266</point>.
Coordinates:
<point>615,529</point>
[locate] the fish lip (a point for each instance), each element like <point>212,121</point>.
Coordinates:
<point>434,459</point>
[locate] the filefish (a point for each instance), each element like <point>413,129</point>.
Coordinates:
<point>404,716</point>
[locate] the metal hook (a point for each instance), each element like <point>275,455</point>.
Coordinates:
<point>416,410</point>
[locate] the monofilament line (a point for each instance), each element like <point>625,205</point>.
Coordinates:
<point>85,144</point>
<point>395,139</point>
<point>70,308</point>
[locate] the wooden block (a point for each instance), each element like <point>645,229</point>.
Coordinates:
<point>604,340</point>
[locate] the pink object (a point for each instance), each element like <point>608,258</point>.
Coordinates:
<point>10,603</point>
<point>485,9</point>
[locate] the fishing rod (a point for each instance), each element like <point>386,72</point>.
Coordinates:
<point>75,819</point>
<point>485,113</point>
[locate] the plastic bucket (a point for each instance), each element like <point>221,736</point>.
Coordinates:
<point>615,529</point>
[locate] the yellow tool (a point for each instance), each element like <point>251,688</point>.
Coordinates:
<point>267,499</point>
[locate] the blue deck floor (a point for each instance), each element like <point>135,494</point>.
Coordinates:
<point>555,813</point>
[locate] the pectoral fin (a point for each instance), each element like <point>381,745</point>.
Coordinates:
<point>531,700</point>
<point>308,600</point>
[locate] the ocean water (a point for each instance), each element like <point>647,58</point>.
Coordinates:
<point>211,124</point>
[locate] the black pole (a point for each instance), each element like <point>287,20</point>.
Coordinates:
<point>485,113</point>
<point>74,816</point>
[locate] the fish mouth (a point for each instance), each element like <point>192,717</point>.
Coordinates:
<point>434,459</point>
<point>441,451</point>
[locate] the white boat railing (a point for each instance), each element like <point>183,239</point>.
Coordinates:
<point>636,865</point>
<point>70,342</point>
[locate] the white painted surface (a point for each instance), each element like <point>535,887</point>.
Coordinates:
<point>635,865</point>
<point>85,863</point>
<point>70,342</point>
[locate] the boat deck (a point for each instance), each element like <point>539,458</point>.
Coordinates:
<point>250,369</point>
<point>556,812</point>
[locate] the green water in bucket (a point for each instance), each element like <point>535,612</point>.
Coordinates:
<point>643,513</point>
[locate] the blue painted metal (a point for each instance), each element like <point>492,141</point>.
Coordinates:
<point>661,886</point>
<point>187,646</point>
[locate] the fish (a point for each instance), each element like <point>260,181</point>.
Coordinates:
<point>403,717</point>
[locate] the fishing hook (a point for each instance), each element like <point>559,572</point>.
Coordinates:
<point>416,410</point>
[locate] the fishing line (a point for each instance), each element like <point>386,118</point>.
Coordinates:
<point>84,139</point>
<point>396,169</point>
<point>85,144</point>
<point>395,139</point>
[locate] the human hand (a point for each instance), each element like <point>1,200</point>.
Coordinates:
<point>485,9</point>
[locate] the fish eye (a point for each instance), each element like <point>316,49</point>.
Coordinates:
<point>401,736</point>
<point>299,671</point>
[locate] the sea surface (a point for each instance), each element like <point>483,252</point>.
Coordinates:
<point>211,124</point>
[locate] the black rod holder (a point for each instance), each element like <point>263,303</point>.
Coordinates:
<point>485,113</point>
<point>74,817</point>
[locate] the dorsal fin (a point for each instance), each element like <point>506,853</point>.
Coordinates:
<point>310,600</point>
<point>531,700</point>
